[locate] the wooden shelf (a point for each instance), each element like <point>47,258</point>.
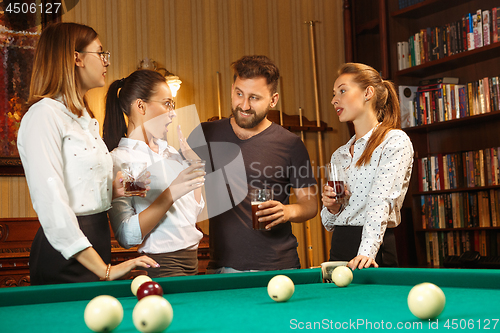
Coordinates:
<point>464,134</point>
<point>452,62</point>
<point>465,121</point>
<point>457,229</point>
<point>465,189</point>
<point>426,8</point>
<point>11,167</point>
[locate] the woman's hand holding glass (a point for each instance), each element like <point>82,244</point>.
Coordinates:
<point>336,191</point>
<point>188,180</point>
<point>119,189</point>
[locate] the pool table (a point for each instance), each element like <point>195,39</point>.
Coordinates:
<point>375,300</point>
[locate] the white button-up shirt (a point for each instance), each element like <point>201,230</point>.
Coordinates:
<point>177,228</point>
<point>378,188</point>
<point>68,170</point>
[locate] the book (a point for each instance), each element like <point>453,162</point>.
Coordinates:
<point>400,56</point>
<point>486,95</point>
<point>498,92</point>
<point>493,96</point>
<point>494,208</point>
<point>486,16</point>
<point>407,95</point>
<point>494,26</point>
<point>445,80</point>
<point>464,33</point>
<point>478,29</point>
<point>481,97</point>
<point>470,33</point>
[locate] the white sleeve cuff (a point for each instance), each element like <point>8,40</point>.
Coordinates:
<point>78,246</point>
<point>328,219</point>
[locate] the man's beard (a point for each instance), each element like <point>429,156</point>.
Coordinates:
<point>248,122</point>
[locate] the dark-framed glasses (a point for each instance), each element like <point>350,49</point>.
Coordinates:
<point>104,55</point>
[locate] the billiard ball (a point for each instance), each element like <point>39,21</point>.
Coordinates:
<point>149,288</point>
<point>426,300</point>
<point>103,313</point>
<point>152,314</point>
<point>342,276</point>
<point>136,283</point>
<point>280,288</point>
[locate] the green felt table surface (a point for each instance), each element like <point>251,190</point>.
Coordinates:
<point>376,300</point>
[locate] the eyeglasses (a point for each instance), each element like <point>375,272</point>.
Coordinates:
<point>104,55</point>
<point>170,105</point>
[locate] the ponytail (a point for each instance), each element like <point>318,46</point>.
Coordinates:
<point>114,126</point>
<point>386,105</point>
<point>141,84</point>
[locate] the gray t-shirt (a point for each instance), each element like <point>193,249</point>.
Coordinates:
<point>274,158</point>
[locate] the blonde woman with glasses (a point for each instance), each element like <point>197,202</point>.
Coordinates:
<point>67,165</point>
<point>163,223</point>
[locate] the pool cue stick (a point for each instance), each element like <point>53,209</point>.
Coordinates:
<point>218,96</point>
<point>318,121</point>
<point>307,224</point>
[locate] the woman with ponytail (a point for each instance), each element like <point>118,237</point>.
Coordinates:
<point>163,223</point>
<point>378,162</point>
<point>67,166</point>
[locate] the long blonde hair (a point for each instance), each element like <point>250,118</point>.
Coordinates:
<point>386,104</point>
<point>54,73</point>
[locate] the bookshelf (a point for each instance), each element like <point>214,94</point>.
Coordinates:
<point>365,27</point>
<point>470,133</point>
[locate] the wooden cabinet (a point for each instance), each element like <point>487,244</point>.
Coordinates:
<point>16,235</point>
<point>366,35</point>
<point>472,133</point>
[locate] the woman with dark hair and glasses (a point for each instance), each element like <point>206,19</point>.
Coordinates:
<point>68,168</point>
<point>163,223</point>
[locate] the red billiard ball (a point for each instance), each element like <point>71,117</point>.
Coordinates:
<point>149,288</point>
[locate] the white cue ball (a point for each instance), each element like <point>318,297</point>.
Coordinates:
<point>136,283</point>
<point>280,288</point>
<point>103,313</point>
<point>426,300</point>
<point>152,314</point>
<point>342,276</point>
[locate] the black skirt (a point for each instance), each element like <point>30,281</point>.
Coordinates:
<point>346,241</point>
<point>48,266</point>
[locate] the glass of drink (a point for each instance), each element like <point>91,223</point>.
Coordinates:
<point>196,161</point>
<point>337,179</point>
<point>134,178</point>
<point>258,196</point>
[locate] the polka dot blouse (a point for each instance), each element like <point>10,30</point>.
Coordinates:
<point>378,188</point>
